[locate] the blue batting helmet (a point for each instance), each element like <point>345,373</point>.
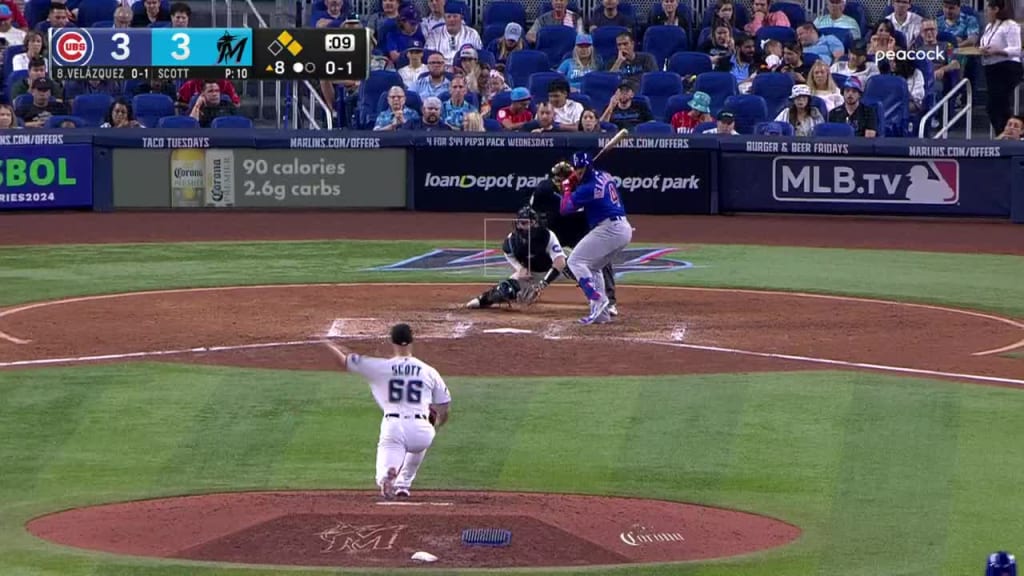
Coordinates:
<point>581,160</point>
<point>1001,564</point>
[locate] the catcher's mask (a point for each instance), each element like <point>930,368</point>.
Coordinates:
<point>526,220</point>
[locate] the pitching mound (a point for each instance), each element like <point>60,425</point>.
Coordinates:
<point>356,529</point>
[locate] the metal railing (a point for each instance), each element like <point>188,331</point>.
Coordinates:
<point>963,86</point>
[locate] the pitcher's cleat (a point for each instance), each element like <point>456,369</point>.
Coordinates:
<point>474,303</point>
<point>387,486</point>
<point>401,493</point>
<point>613,310</point>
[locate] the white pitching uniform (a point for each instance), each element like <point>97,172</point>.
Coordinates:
<point>404,388</point>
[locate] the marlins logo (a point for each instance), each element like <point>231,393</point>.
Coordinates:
<point>72,47</point>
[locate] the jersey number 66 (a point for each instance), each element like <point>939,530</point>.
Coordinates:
<point>399,390</point>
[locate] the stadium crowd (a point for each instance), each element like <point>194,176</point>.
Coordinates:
<point>765,67</point>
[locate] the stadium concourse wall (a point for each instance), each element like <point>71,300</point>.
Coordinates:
<point>108,170</point>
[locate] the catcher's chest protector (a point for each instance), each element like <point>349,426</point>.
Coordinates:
<point>532,252</point>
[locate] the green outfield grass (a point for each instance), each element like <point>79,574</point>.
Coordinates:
<point>885,475</point>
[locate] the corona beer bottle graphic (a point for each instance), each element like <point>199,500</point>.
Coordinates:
<point>188,178</point>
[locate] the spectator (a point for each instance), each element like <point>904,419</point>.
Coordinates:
<point>940,54</point>
<point>793,63</point>
<point>669,16</point>
<point>123,17</point>
<point>9,35</point>
<point>195,86</point>
<point>905,69</point>
<point>624,111</point>
<point>567,112</point>
<point>559,15</point>
<point>210,105</point>
<point>335,16</point>
<point>58,17</point>
<point>435,82</point>
<point>454,35</point>
<point>800,114</point>
<point>742,63</point>
<point>720,46</point>
<point>468,65</point>
<point>904,20</point>
<point>725,15</point>
<point>685,121</point>
<point>473,122</point>
<point>388,11</point>
<point>771,57</point>
<point>725,126</point>
<point>823,86</point>
<point>589,122</point>
<point>412,71</point>
<point>36,111</point>
<point>514,116</point>
<point>1001,60</point>
<point>181,15</point>
<point>36,70</point>
<point>834,17</point>
<point>629,63</point>
<point>407,33</point>
<point>435,16</point>
<point>544,122</point>
<point>582,62</point>
<point>7,121</point>
<point>120,115</point>
<point>883,39</point>
<point>857,65</point>
<point>495,85</point>
<point>398,116</point>
<point>17,18</point>
<point>35,47</point>
<point>153,13</point>
<point>77,88</point>
<point>1014,128</point>
<point>608,15</point>
<point>456,108</point>
<point>762,17</point>
<point>964,26</point>
<point>862,118</point>
<point>431,119</point>
<point>511,41</point>
<point>65,124</point>
<point>157,86</point>
<point>827,47</point>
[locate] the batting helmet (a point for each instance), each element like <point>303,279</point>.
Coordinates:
<point>1001,564</point>
<point>581,160</point>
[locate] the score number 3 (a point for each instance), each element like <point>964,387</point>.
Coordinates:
<point>121,44</point>
<point>182,52</point>
<point>411,391</point>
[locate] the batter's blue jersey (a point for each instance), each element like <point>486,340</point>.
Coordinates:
<point>598,196</point>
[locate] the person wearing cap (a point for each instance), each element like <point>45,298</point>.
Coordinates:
<point>583,61</point>
<point>856,65</point>
<point>559,15</point>
<point>397,116</point>
<point>435,82</point>
<point>800,114</point>
<point>862,118</point>
<point>415,401</point>
<point>686,121</point>
<point>36,70</point>
<point>725,125</point>
<point>624,111</point>
<point>431,119</point>
<point>388,12</point>
<point>608,15</point>
<point>468,64</point>
<point>9,35</point>
<point>567,112</point>
<point>630,64</point>
<point>408,33</point>
<point>36,111</point>
<point>456,107</point>
<point>510,41</point>
<point>454,35</point>
<point>335,15</point>
<point>904,20</point>
<point>835,17</point>
<point>517,114</point>
<point>18,19</point>
<point>412,71</point>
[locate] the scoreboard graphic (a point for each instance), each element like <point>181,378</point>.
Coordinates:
<point>208,53</point>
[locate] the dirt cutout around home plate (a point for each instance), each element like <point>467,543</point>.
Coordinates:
<point>358,529</point>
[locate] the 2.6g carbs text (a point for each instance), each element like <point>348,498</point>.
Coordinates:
<point>292,177</point>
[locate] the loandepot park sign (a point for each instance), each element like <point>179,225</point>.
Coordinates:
<point>464,259</point>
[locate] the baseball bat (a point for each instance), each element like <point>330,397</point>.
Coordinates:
<point>619,136</point>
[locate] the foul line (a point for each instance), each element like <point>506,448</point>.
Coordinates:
<point>23,308</point>
<point>199,350</point>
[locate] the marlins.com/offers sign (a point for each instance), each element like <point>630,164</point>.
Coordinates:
<point>875,180</point>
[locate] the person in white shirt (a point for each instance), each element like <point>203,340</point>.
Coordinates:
<point>434,18</point>
<point>8,33</point>
<point>567,112</point>
<point>800,114</point>
<point>907,22</point>
<point>415,400</point>
<point>34,46</point>
<point>411,72</point>
<point>857,65</point>
<point>1000,49</point>
<point>454,35</point>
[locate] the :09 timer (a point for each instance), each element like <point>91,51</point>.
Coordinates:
<point>332,67</point>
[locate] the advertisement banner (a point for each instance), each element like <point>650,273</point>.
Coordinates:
<point>46,177</point>
<point>250,178</point>
<point>875,185</point>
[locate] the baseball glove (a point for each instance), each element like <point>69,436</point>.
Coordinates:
<point>529,293</point>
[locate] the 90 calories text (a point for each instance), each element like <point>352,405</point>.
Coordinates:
<point>277,179</point>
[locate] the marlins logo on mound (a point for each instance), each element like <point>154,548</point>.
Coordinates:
<point>630,260</point>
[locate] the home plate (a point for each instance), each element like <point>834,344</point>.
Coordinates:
<point>507,331</point>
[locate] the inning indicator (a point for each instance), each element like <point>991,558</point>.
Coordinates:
<point>311,54</point>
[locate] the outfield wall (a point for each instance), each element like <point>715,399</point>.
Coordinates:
<point>448,171</point>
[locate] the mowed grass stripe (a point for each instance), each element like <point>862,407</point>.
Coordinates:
<point>895,475</point>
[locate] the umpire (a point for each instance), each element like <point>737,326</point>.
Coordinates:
<point>571,228</point>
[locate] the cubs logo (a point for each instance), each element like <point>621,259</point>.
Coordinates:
<point>72,47</point>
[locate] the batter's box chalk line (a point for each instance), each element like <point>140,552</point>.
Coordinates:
<point>368,328</point>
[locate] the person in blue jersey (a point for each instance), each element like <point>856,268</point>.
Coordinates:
<point>595,191</point>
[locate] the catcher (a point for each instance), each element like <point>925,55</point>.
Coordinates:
<point>536,258</point>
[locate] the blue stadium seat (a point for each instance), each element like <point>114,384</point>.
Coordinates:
<point>664,41</point>
<point>809,59</point>
<point>492,125</point>
<point>160,24</point>
<point>555,41</point>
<point>92,11</point>
<point>819,103</point>
<point>13,79</point>
<point>9,55</point>
<point>855,10</point>
<point>103,24</point>
<point>834,130</point>
<point>149,108</point>
<point>780,33</point>
<point>582,99</point>
<point>538,84</point>
<point>471,97</point>
<point>36,12</point>
<point>499,101</point>
<point>677,104</point>
<point>740,18</point>
<point>773,129</point>
<point>486,57</point>
<point>55,121</point>
<point>653,127</point>
<point>231,122</point>
<point>545,6</point>
<point>21,100</point>
<point>522,63</point>
<point>600,86</point>
<point>705,126</point>
<point>749,109</point>
<point>689,63</point>
<point>794,12</point>
<point>92,108</point>
<point>377,83</point>
<point>608,127</point>
<point>491,33</point>
<point>775,89</point>
<point>501,13</point>
<point>658,87</point>
<point>841,34</point>
<point>604,41</point>
<point>683,9</point>
<point>177,122</point>
<point>944,36</point>
<point>894,96</point>
<point>839,79</point>
<point>717,85</point>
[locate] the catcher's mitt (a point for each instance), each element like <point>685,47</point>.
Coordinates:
<point>529,293</point>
